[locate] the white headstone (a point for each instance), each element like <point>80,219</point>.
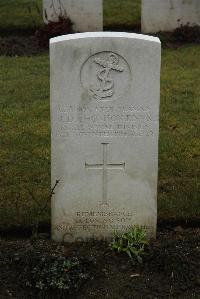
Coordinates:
<point>167,15</point>
<point>105,123</point>
<point>86,15</point>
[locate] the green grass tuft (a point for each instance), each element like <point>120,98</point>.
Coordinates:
<point>20,16</point>
<point>123,14</point>
<point>179,145</point>
<point>25,135</point>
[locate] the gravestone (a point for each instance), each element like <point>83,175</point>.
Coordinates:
<point>167,15</point>
<point>86,15</point>
<point>105,123</point>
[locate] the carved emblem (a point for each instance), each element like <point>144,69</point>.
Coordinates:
<point>105,76</point>
<point>106,86</point>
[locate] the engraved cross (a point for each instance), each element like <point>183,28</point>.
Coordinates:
<point>105,166</point>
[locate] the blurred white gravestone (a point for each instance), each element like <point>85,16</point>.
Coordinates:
<point>105,91</point>
<point>167,15</point>
<point>86,15</point>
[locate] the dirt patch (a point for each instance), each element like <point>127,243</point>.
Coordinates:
<point>20,45</point>
<point>171,268</point>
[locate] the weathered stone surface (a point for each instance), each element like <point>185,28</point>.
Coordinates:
<point>167,15</point>
<point>105,122</point>
<point>86,15</point>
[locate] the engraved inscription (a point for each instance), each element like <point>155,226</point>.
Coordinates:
<point>102,227</point>
<point>99,221</point>
<point>105,76</point>
<point>105,166</point>
<point>112,121</point>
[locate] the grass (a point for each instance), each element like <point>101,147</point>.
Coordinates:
<point>20,16</point>
<point>179,134</point>
<point>25,132</point>
<point>25,135</point>
<point>126,14</point>
<point>24,16</point>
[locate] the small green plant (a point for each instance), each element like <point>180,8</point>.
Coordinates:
<point>55,273</point>
<point>132,242</point>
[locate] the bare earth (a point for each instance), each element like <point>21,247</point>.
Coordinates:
<point>171,268</point>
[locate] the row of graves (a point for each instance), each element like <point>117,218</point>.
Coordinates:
<point>157,15</point>
<point>105,124</point>
<point>105,91</point>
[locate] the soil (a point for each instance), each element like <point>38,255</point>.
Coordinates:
<point>37,43</point>
<point>170,268</point>
<point>20,46</point>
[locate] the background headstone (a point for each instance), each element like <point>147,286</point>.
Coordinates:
<point>167,15</point>
<point>105,122</point>
<point>86,15</point>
